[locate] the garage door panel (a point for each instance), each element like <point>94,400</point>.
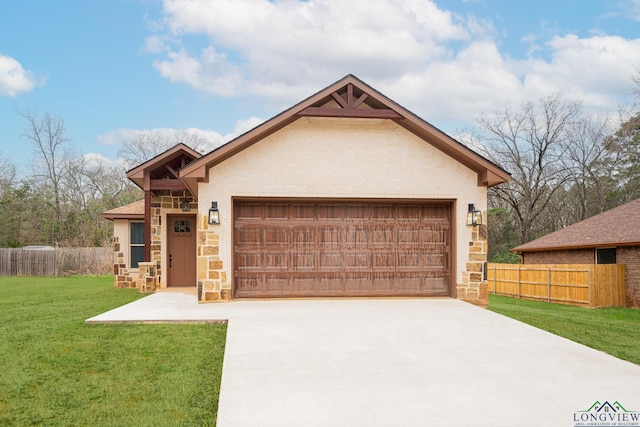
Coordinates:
<point>356,261</point>
<point>354,236</point>
<point>276,211</point>
<point>341,249</point>
<point>250,285</point>
<point>358,284</point>
<point>330,261</point>
<point>384,261</point>
<point>279,284</point>
<point>303,262</point>
<point>248,237</point>
<point>249,211</point>
<point>328,237</point>
<point>275,236</point>
<point>247,260</point>
<point>275,261</point>
<point>330,212</point>
<point>304,236</point>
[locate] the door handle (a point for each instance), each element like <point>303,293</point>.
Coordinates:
<point>170,260</point>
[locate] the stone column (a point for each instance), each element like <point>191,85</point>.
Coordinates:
<point>148,277</point>
<point>473,288</point>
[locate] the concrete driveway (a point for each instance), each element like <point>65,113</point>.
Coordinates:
<point>394,362</point>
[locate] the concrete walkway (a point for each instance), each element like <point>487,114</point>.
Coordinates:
<point>394,362</point>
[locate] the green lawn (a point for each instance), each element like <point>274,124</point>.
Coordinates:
<point>57,371</point>
<point>613,330</point>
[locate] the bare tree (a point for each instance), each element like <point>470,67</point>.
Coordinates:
<point>530,143</point>
<point>624,146</point>
<point>635,78</point>
<point>94,184</point>
<point>147,145</point>
<point>47,135</point>
<point>7,173</point>
<point>592,167</point>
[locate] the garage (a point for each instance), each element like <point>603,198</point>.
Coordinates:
<point>304,248</point>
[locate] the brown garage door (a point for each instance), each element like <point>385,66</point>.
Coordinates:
<point>341,249</point>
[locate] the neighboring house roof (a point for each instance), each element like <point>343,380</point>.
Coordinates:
<point>133,210</point>
<point>616,227</point>
<point>348,97</point>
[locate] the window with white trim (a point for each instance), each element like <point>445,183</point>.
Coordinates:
<point>136,243</point>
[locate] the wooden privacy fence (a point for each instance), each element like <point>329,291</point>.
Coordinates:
<point>586,285</point>
<point>55,262</point>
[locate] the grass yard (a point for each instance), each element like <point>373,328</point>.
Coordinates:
<point>613,330</point>
<point>57,371</point>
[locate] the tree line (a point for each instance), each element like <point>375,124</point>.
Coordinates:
<point>565,166</point>
<point>59,201</point>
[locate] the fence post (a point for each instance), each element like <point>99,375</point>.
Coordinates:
<point>519,272</point>
<point>495,279</point>
<point>548,284</point>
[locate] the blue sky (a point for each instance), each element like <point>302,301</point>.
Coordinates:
<point>116,68</point>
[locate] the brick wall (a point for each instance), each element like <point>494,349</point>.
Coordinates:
<point>631,257</point>
<point>578,256</point>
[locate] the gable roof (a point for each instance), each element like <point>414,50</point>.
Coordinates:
<point>349,97</point>
<point>616,227</point>
<point>164,165</point>
<point>133,210</point>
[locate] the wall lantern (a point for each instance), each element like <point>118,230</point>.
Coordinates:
<point>185,206</point>
<point>214,215</point>
<point>474,216</point>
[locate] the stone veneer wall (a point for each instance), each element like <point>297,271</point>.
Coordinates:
<point>120,270</point>
<point>160,202</point>
<point>148,277</point>
<point>213,284</point>
<point>473,288</point>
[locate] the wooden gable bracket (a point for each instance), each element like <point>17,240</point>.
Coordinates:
<point>172,171</point>
<point>350,108</point>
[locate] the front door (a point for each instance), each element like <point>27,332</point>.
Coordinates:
<point>181,250</point>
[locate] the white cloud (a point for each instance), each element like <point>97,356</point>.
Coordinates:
<point>595,71</point>
<point>14,79</point>
<point>441,66</point>
<point>207,139</point>
<point>259,47</point>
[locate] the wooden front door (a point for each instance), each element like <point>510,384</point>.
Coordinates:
<point>181,250</point>
<point>302,248</point>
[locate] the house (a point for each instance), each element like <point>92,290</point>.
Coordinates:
<point>344,194</point>
<point>608,238</point>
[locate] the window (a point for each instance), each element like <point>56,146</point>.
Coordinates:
<point>606,256</point>
<point>182,226</point>
<point>136,243</point>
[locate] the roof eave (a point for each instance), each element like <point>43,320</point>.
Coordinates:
<point>112,217</point>
<point>489,174</point>
<point>573,247</point>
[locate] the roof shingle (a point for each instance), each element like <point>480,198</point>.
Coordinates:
<point>131,211</point>
<point>616,227</point>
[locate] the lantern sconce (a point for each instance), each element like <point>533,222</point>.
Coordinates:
<point>214,214</point>
<point>474,216</point>
<point>185,206</point>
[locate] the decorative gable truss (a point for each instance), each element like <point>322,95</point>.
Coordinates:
<point>349,101</point>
